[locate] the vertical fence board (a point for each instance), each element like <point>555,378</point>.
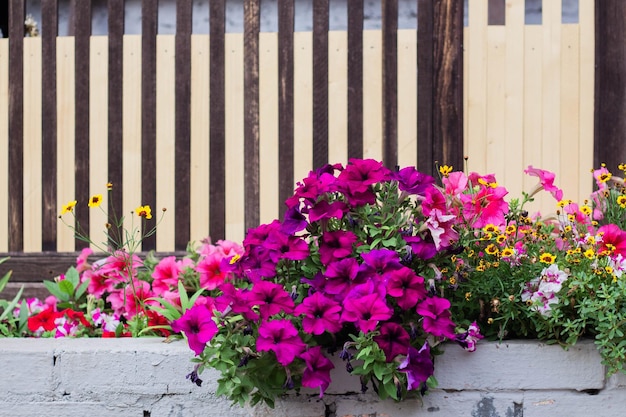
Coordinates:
<point>252,26</point>
<point>81,26</point>
<point>149,22</point>
<point>372,95</point>
<point>49,205</point>
<point>16,125</point>
<point>32,145</point>
<point>4,141</point>
<point>425,151</point>
<point>65,146</point>
<point>271,167</point>
<point>199,158</point>
<point>98,131</point>
<point>587,101</point>
<point>303,104</point>
<point>132,133</point>
<point>183,121</point>
<point>320,82</point>
<point>496,102</point>
<point>217,184</point>
<point>286,15</point>
<point>407,98</point>
<point>569,117</point>
<point>338,76</point>
<point>167,141</point>
<point>234,131</point>
<point>390,82</point>
<point>355,79</point>
<point>476,142</point>
<point>115,110</point>
<point>514,97</point>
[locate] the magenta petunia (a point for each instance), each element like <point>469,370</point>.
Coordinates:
<point>325,210</point>
<point>336,245</point>
<point>359,174</point>
<point>198,325</point>
<point>317,371</point>
<point>340,276</point>
<point>436,317</point>
<point>412,181</point>
<point>280,337</point>
<point>366,312</point>
<point>406,287</point>
<point>380,262</point>
<point>271,299</point>
<point>235,300</point>
<point>486,206</point>
<point>393,339</point>
<point>613,240</point>
<point>320,314</point>
<point>418,366</point>
<point>284,246</point>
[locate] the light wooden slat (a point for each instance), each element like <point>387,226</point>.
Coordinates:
<point>551,97</point>
<point>372,95</point>
<point>65,135</point>
<point>166,141</point>
<point>338,97</point>
<point>514,93</point>
<point>496,103</point>
<point>586,88</point>
<point>4,136</point>
<point>476,139</point>
<point>199,181</point>
<point>407,98</point>
<point>533,108</point>
<point>98,136</point>
<point>132,130</point>
<point>303,104</point>
<point>570,117</point>
<point>270,167</point>
<point>32,145</point>
<point>234,137</point>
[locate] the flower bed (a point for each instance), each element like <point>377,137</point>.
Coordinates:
<point>145,377</point>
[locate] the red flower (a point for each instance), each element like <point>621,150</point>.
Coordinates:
<point>45,319</point>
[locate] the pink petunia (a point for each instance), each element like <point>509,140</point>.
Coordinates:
<point>280,337</point>
<point>546,181</point>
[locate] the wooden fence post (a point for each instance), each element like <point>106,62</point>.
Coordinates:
<point>440,84</point>
<point>610,84</point>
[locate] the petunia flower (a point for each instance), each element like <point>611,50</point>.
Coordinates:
<point>320,314</point>
<point>436,317</point>
<point>317,371</point>
<point>546,182</point>
<point>271,299</point>
<point>406,287</point>
<point>280,337</point>
<point>393,339</point>
<point>198,325</point>
<point>441,228</point>
<point>412,181</point>
<point>336,245</point>
<point>366,312</point>
<point>418,366</point>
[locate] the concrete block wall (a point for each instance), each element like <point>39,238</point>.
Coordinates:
<point>146,378</point>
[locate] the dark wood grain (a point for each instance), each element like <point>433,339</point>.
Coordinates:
<point>355,79</point>
<point>425,153</point>
<point>390,82</point>
<point>320,82</point>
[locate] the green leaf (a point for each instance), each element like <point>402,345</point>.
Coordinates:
<point>5,280</point>
<point>82,288</point>
<point>11,306</point>
<point>184,300</point>
<point>72,276</point>
<point>54,290</point>
<point>67,287</point>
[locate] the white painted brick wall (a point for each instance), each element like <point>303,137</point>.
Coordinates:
<point>146,377</point>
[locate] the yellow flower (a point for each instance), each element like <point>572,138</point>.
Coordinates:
<point>501,239</point>
<point>507,252</point>
<point>68,208</point>
<point>589,254</point>
<point>621,200</point>
<point>586,210</point>
<point>144,211</point>
<point>492,249</point>
<point>491,228</point>
<point>547,258</point>
<point>604,177</point>
<point>510,229</point>
<point>109,186</point>
<point>95,200</point>
<point>563,203</point>
<point>445,170</point>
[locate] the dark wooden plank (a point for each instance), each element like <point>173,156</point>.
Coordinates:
<point>320,82</point>
<point>217,136</point>
<point>149,22</point>
<point>49,206</point>
<point>610,84</point>
<point>497,12</point>
<point>425,155</point>
<point>115,113</point>
<point>355,79</point>
<point>183,123</point>
<point>448,82</point>
<point>252,26</point>
<point>81,24</point>
<point>286,15</point>
<point>4,18</point>
<point>390,82</point>
<point>16,125</point>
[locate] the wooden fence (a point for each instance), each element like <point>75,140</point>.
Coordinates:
<point>218,128</point>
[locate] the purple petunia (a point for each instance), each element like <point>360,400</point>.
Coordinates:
<point>436,317</point>
<point>418,366</point>
<point>317,371</point>
<point>198,325</point>
<point>280,337</point>
<point>320,314</point>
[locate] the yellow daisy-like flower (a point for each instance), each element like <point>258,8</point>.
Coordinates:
<point>109,186</point>
<point>68,208</point>
<point>95,200</point>
<point>507,252</point>
<point>567,229</point>
<point>144,211</point>
<point>492,249</point>
<point>501,239</point>
<point>586,210</point>
<point>445,170</point>
<point>510,229</point>
<point>491,228</point>
<point>621,200</point>
<point>608,269</point>
<point>604,177</point>
<point>547,258</point>
<point>622,167</point>
<point>563,203</point>
<point>589,254</point>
